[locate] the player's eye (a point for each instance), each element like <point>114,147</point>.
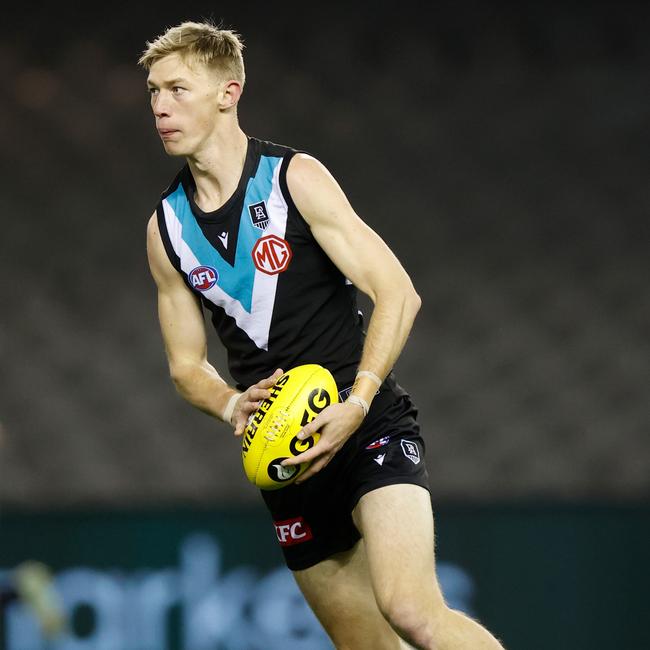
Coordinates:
<point>152,91</point>
<point>177,90</point>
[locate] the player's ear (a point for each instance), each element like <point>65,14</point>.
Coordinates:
<point>230,93</point>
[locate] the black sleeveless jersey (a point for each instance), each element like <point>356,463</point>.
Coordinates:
<point>276,299</point>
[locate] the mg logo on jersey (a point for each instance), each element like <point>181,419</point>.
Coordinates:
<point>203,277</point>
<point>292,531</point>
<point>271,254</point>
<point>259,215</point>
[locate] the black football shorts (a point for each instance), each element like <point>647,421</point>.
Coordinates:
<point>313,520</point>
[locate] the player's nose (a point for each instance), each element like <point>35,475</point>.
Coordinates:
<point>161,106</point>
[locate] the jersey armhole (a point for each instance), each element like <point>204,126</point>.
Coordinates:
<point>287,195</point>
<point>164,236</point>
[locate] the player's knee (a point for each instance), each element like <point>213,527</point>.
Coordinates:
<point>413,619</point>
<point>409,620</point>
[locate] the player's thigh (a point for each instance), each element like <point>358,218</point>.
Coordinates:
<point>396,523</point>
<point>339,592</point>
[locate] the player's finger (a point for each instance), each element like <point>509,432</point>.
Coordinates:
<point>243,416</point>
<point>246,408</point>
<point>269,381</point>
<point>306,456</point>
<point>241,426</point>
<point>314,426</point>
<point>314,469</point>
<point>257,394</point>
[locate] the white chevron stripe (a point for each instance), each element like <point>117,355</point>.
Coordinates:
<point>257,323</point>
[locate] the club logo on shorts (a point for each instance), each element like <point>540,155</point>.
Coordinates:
<point>271,255</point>
<point>203,277</point>
<point>278,472</point>
<point>411,451</point>
<point>259,215</point>
<point>292,531</point>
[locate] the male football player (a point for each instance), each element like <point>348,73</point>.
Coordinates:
<point>264,239</point>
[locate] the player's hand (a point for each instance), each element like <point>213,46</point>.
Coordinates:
<point>336,424</point>
<point>250,400</point>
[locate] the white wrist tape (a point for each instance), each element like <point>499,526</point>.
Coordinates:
<point>230,407</point>
<point>370,375</point>
<point>359,401</point>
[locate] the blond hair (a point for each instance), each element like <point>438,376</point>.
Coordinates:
<point>204,43</point>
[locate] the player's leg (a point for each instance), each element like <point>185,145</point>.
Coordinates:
<point>396,523</point>
<point>339,592</point>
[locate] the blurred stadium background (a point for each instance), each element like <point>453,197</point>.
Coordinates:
<point>501,149</point>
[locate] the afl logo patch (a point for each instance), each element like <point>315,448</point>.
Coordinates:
<point>271,255</point>
<point>375,444</point>
<point>203,278</point>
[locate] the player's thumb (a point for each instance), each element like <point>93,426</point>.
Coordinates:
<point>240,425</point>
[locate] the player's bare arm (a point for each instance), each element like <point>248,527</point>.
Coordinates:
<point>362,256</point>
<point>183,331</point>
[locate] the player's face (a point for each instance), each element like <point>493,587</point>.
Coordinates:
<point>185,103</point>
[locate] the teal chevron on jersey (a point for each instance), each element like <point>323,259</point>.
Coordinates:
<point>244,292</point>
<point>260,186</point>
<point>289,303</point>
<point>237,284</point>
<point>259,189</point>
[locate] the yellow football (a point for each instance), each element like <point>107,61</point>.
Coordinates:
<point>297,397</point>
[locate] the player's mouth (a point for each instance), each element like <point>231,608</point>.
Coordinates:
<point>167,134</point>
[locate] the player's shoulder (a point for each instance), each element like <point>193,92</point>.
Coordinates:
<point>153,223</point>
<point>307,178</point>
<point>292,158</point>
<point>152,226</point>
<point>160,264</point>
<point>181,178</point>
<point>273,149</point>
<point>154,239</point>
<point>304,164</point>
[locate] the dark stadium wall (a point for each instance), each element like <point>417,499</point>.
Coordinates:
<point>499,150</point>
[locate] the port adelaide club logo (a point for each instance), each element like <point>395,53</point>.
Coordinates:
<point>411,451</point>
<point>259,215</point>
<point>271,254</point>
<point>203,278</point>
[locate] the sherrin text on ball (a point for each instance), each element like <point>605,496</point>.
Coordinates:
<point>297,397</point>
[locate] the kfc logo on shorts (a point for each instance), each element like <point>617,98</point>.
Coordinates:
<point>203,277</point>
<point>259,215</point>
<point>411,451</point>
<point>271,255</point>
<point>292,531</point>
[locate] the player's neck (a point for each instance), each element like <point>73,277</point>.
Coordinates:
<point>217,168</point>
